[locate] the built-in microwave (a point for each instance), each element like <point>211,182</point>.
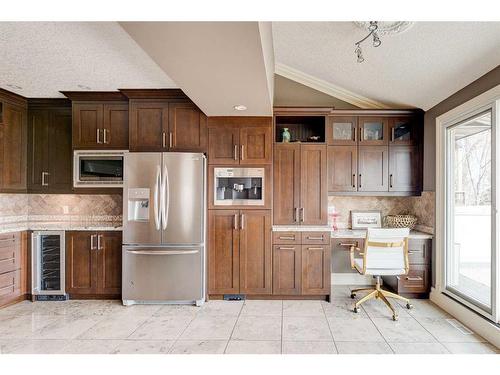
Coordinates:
<point>239,186</point>
<point>98,168</point>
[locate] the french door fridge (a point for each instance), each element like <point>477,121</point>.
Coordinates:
<point>164,205</point>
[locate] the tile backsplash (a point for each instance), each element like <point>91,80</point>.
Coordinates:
<point>422,207</point>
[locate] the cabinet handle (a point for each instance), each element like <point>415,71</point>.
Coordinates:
<point>315,238</point>
<point>355,244</point>
<point>242,152</point>
<point>98,135</point>
<point>413,278</point>
<point>105,138</point>
<point>164,139</point>
<point>390,180</point>
<point>315,248</point>
<point>235,152</point>
<point>354,134</point>
<point>170,140</point>
<point>99,238</point>
<point>413,251</point>
<point>353,182</point>
<point>92,247</point>
<point>242,221</point>
<point>287,238</point>
<point>359,180</point>
<point>235,222</point>
<point>392,135</point>
<point>296,215</point>
<point>44,183</point>
<point>286,248</point>
<point>303,214</point>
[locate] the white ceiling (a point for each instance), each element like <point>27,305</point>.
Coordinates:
<point>44,58</point>
<point>417,68</point>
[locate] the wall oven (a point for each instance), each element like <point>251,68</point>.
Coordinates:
<point>98,168</point>
<point>239,186</point>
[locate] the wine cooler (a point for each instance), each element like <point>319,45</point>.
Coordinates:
<point>48,265</point>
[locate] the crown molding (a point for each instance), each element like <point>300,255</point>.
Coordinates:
<point>327,88</point>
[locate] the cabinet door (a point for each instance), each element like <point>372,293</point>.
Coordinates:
<point>342,130</point>
<point>81,262</point>
<point>403,168</point>
<point>342,168</point>
<point>316,276</point>
<point>255,252</point>
<point>87,125</point>
<point>313,187</point>
<point>286,201</point>
<point>115,126</point>
<point>109,263</point>
<point>223,144</point>
<point>402,130</point>
<point>373,131</point>
<point>60,178</point>
<point>287,269</point>
<point>13,149</point>
<point>373,168</point>
<point>223,251</point>
<point>255,145</point>
<point>38,149</point>
<point>187,128</point>
<point>148,124</point>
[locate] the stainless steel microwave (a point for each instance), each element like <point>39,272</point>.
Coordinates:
<point>98,168</point>
<point>239,186</point>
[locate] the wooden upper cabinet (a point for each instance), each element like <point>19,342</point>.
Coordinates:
<point>81,263</point>
<point>373,130</point>
<point>286,184</point>
<point>13,148</point>
<point>402,130</point>
<point>287,269</point>
<point>313,185</point>
<point>255,252</point>
<point>403,168</point>
<point>115,127</point>
<point>109,263</point>
<point>148,126</point>
<point>223,145</point>
<point>223,251</point>
<point>342,168</point>
<point>316,275</point>
<point>373,164</point>
<point>87,125</point>
<point>342,130</point>
<point>187,128</point>
<point>38,149</point>
<point>255,145</point>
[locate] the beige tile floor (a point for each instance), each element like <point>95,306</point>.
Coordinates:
<point>250,327</point>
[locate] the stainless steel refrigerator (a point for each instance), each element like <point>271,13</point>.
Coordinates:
<point>164,206</point>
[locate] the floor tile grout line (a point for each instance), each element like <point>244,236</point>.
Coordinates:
<point>430,333</point>
<point>282,327</point>
<point>234,326</point>
<point>330,328</point>
<point>184,330</point>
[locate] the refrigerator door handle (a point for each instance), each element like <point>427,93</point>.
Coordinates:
<point>165,198</point>
<point>162,252</point>
<point>156,192</point>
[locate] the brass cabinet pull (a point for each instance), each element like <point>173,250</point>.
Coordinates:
<point>170,139</point>
<point>315,238</point>
<point>44,182</point>
<point>242,221</point>
<point>98,135</point>
<point>286,248</point>
<point>287,238</point>
<point>235,153</point>
<point>235,222</point>
<point>315,248</point>
<point>164,139</point>
<point>355,244</point>
<point>242,156</point>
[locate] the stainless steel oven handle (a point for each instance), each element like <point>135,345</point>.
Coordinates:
<point>162,252</point>
<point>155,197</point>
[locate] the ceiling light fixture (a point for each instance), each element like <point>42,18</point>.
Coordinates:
<point>240,107</point>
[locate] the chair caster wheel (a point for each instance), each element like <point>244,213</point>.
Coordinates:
<point>394,317</point>
<point>355,310</point>
<point>353,295</point>
<point>409,306</point>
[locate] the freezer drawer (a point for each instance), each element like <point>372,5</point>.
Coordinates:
<point>161,274</point>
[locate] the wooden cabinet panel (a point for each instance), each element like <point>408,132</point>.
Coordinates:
<point>148,123</point>
<point>416,281</point>
<point>373,166</point>
<point>403,168</point>
<point>15,269</point>
<point>419,251</point>
<point>286,185</point>
<point>315,238</point>
<point>287,269</point>
<point>316,277</point>
<point>38,149</point>
<point>313,187</point>
<point>115,126</point>
<point>10,286</point>
<point>87,123</point>
<point>13,149</point>
<point>187,127</point>
<point>109,260</point>
<point>373,131</point>
<point>81,263</point>
<point>342,130</point>
<point>255,145</point>
<point>402,130</point>
<point>223,145</point>
<point>255,252</point>
<point>60,155</point>
<point>10,254</point>
<point>223,251</point>
<point>286,238</point>
<point>342,168</point>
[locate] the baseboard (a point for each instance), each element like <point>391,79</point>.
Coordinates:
<point>467,317</point>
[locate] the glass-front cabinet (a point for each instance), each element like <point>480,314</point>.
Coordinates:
<point>342,130</point>
<point>401,130</point>
<point>373,130</point>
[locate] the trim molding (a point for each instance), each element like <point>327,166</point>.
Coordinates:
<point>327,87</point>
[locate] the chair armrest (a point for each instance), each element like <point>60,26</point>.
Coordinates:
<point>351,254</point>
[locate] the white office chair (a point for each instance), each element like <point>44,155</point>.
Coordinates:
<point>385,253</point>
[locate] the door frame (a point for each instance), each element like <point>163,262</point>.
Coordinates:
<point>490,100</point>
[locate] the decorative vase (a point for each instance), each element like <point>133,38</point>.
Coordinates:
<point>285,135</point>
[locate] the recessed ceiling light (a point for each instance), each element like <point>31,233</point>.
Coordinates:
<point>240,107</point>
<point>15,87</point>
<point>83,87</point>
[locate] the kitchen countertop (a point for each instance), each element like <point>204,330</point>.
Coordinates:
<point>340,233</point>
<point>66,226</point>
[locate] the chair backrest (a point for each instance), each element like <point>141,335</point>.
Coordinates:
<point>386,248</point>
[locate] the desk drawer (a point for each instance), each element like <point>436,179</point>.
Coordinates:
<point>315,238</point>
<point>416,281</point>
<point>419,251</point>
<point>286,238</point>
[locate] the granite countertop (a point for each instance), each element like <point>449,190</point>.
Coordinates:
<point>340,233</point>
<point>301,228</point>
<point>18,227</point>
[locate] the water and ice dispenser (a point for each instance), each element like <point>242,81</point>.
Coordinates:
<point>138,204</point>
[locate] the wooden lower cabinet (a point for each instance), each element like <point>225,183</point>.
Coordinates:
<point>239,253</point>
<point>287,269</point>
<point>15,272</point>
<point>93,264</point>
<point>316,276</point>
